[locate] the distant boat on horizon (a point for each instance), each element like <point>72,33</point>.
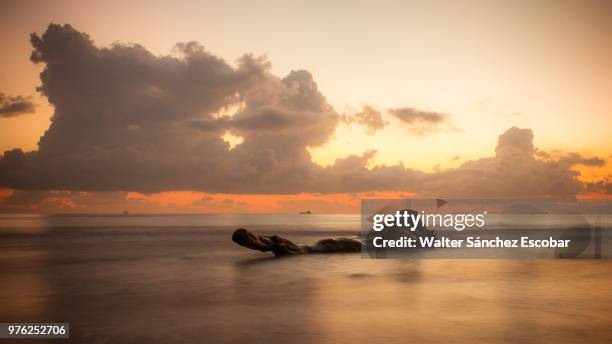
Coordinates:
<point>125,212</point>
<point>307,212</point>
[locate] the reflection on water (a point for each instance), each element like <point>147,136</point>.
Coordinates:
<point>180,283</point>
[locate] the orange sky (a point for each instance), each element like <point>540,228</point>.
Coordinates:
<point>490,65</point>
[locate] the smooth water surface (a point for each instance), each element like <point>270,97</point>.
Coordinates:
<point>180,279</point>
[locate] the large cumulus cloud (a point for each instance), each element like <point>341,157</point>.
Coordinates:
<point>514,171</point>
<point>126,120</point>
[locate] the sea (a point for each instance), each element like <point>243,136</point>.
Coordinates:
<point>180,279</point>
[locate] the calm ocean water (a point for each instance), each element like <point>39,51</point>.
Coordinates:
<point>180,279</point>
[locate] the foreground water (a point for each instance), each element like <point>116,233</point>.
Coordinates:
<point>179,279</point>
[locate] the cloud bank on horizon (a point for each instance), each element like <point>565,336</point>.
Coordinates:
<point>126,120</point>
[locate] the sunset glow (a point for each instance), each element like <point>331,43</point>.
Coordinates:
<point>345,101</point>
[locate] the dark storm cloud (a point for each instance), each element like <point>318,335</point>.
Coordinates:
<point>418,121</point>
<point>127,120</point>
<point>15,105</point>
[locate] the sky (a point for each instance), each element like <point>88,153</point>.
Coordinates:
<point>334,102</point>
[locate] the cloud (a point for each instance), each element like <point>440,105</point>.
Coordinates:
<point>370,118</point>
<point>127,120</point>
<point>412,116</point>
<point>15,105</point>
<point>514,171</point>
<point>600,187</point>
<point>421,122</point>
<point>576,159</point>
